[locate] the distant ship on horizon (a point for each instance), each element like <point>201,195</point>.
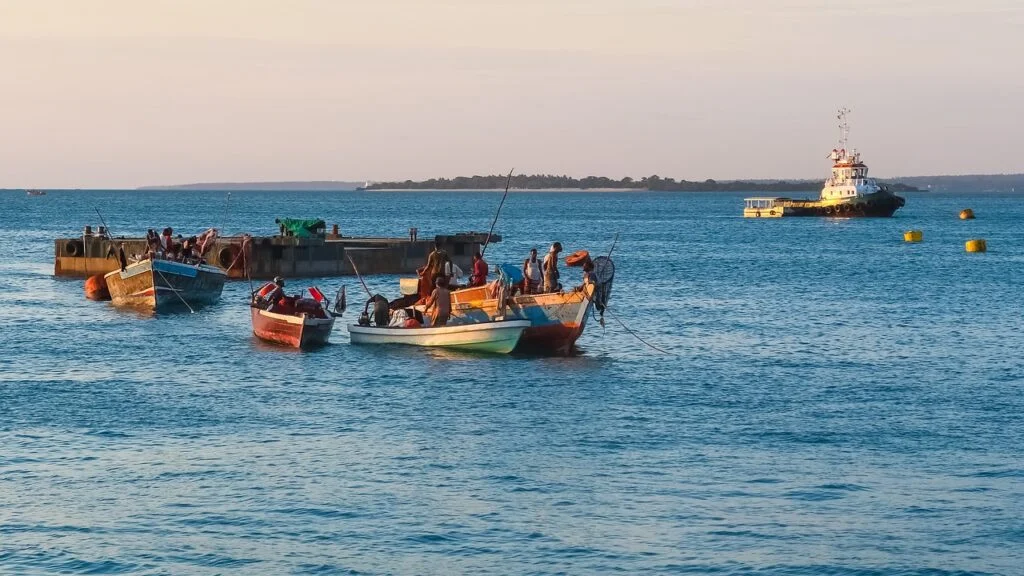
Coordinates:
<point>848,193</point>
<point>34,192</point>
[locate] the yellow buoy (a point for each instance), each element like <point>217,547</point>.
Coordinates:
<point>913,236</point>
<point>976,245</point>
<point>967,214</point>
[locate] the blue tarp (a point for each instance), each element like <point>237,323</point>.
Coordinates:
<point>512,272</point>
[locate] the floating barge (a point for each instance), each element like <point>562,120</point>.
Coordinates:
<point>318,256</point>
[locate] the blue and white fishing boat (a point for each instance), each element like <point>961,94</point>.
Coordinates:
<point>162,285</point>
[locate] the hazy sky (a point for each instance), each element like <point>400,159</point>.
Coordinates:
<point>120,93</point>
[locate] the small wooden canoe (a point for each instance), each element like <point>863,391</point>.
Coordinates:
<point>296,330</point>
<point>499,337</point>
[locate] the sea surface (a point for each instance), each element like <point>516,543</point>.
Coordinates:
<point>815,397</point>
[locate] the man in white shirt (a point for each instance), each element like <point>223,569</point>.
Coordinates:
<point>532,273</point>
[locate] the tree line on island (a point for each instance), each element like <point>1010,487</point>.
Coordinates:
<point>651,183</point>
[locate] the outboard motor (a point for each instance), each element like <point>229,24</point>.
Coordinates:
<point>603,276</point>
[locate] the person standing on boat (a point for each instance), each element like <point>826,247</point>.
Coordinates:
<point>152,244</point>
<point>551,274</point>
<point>531,273</point>
<point>447,270</point>
<point>480,270</point>
<point>441,301</point>
<point>166,241</point>
<point>429,272</point>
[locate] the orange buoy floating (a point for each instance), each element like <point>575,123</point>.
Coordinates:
<point>96,288</point>
<point>967,214</point>
<point>913,236</point>
<point>977,245</point>
<point>578,258</point>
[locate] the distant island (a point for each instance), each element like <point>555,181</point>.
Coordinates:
<point>315,186</point>
<point>650,183</point>
<point>968,182</point>
<point>961,183</point>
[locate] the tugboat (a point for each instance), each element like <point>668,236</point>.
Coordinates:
<point>847,193</point>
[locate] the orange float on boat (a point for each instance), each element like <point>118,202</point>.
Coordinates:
<point>578,258</point>
<point>96,288</point>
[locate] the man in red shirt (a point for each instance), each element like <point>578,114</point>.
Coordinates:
<point>480,270</point>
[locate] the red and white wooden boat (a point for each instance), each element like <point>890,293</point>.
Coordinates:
<point>297,322</point>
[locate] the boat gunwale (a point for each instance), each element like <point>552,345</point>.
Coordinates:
<point>302,319</point>
<point>439,330</point>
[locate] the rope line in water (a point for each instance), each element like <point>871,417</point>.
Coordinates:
<point>173,289</point>
<point>637,336</point>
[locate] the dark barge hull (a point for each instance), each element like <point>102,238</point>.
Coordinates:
<point>287,256</point>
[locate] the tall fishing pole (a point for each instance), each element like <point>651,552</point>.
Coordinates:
<point>500,204</point>
<point>104,222</point>
<point>356,270</point>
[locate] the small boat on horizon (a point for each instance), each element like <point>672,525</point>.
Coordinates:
<point>36,192</point>
<point>848,193</point>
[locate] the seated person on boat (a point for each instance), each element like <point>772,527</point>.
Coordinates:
<point>269,293</point>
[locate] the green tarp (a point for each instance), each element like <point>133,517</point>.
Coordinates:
<point>302,228</point>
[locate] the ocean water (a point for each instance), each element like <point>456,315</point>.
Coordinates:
<point>827,400</point>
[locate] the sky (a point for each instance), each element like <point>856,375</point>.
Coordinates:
<point>125,93</point>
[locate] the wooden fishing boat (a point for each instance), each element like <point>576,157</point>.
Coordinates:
<point>557,319</point>
<point>298,330</point>
<point>292,320</point>
<point>499,337</point>
<point>164,285</point>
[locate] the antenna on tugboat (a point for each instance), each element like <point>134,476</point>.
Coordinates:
<point>487,241</point>
<point>844,127</point>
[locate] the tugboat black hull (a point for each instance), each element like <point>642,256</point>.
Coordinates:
<point>878,205</point>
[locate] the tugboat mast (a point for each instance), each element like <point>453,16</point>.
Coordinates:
<point>844,127</point>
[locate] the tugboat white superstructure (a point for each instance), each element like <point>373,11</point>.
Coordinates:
<point>849,192</point>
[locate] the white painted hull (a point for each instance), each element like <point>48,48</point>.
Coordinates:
<point>499,337</point>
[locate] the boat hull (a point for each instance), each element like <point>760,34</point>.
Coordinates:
<point>877,205</point>
<point>556,320</point>
<point>299,331</point>
<point>165,285</point>
<point>499,337</point>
